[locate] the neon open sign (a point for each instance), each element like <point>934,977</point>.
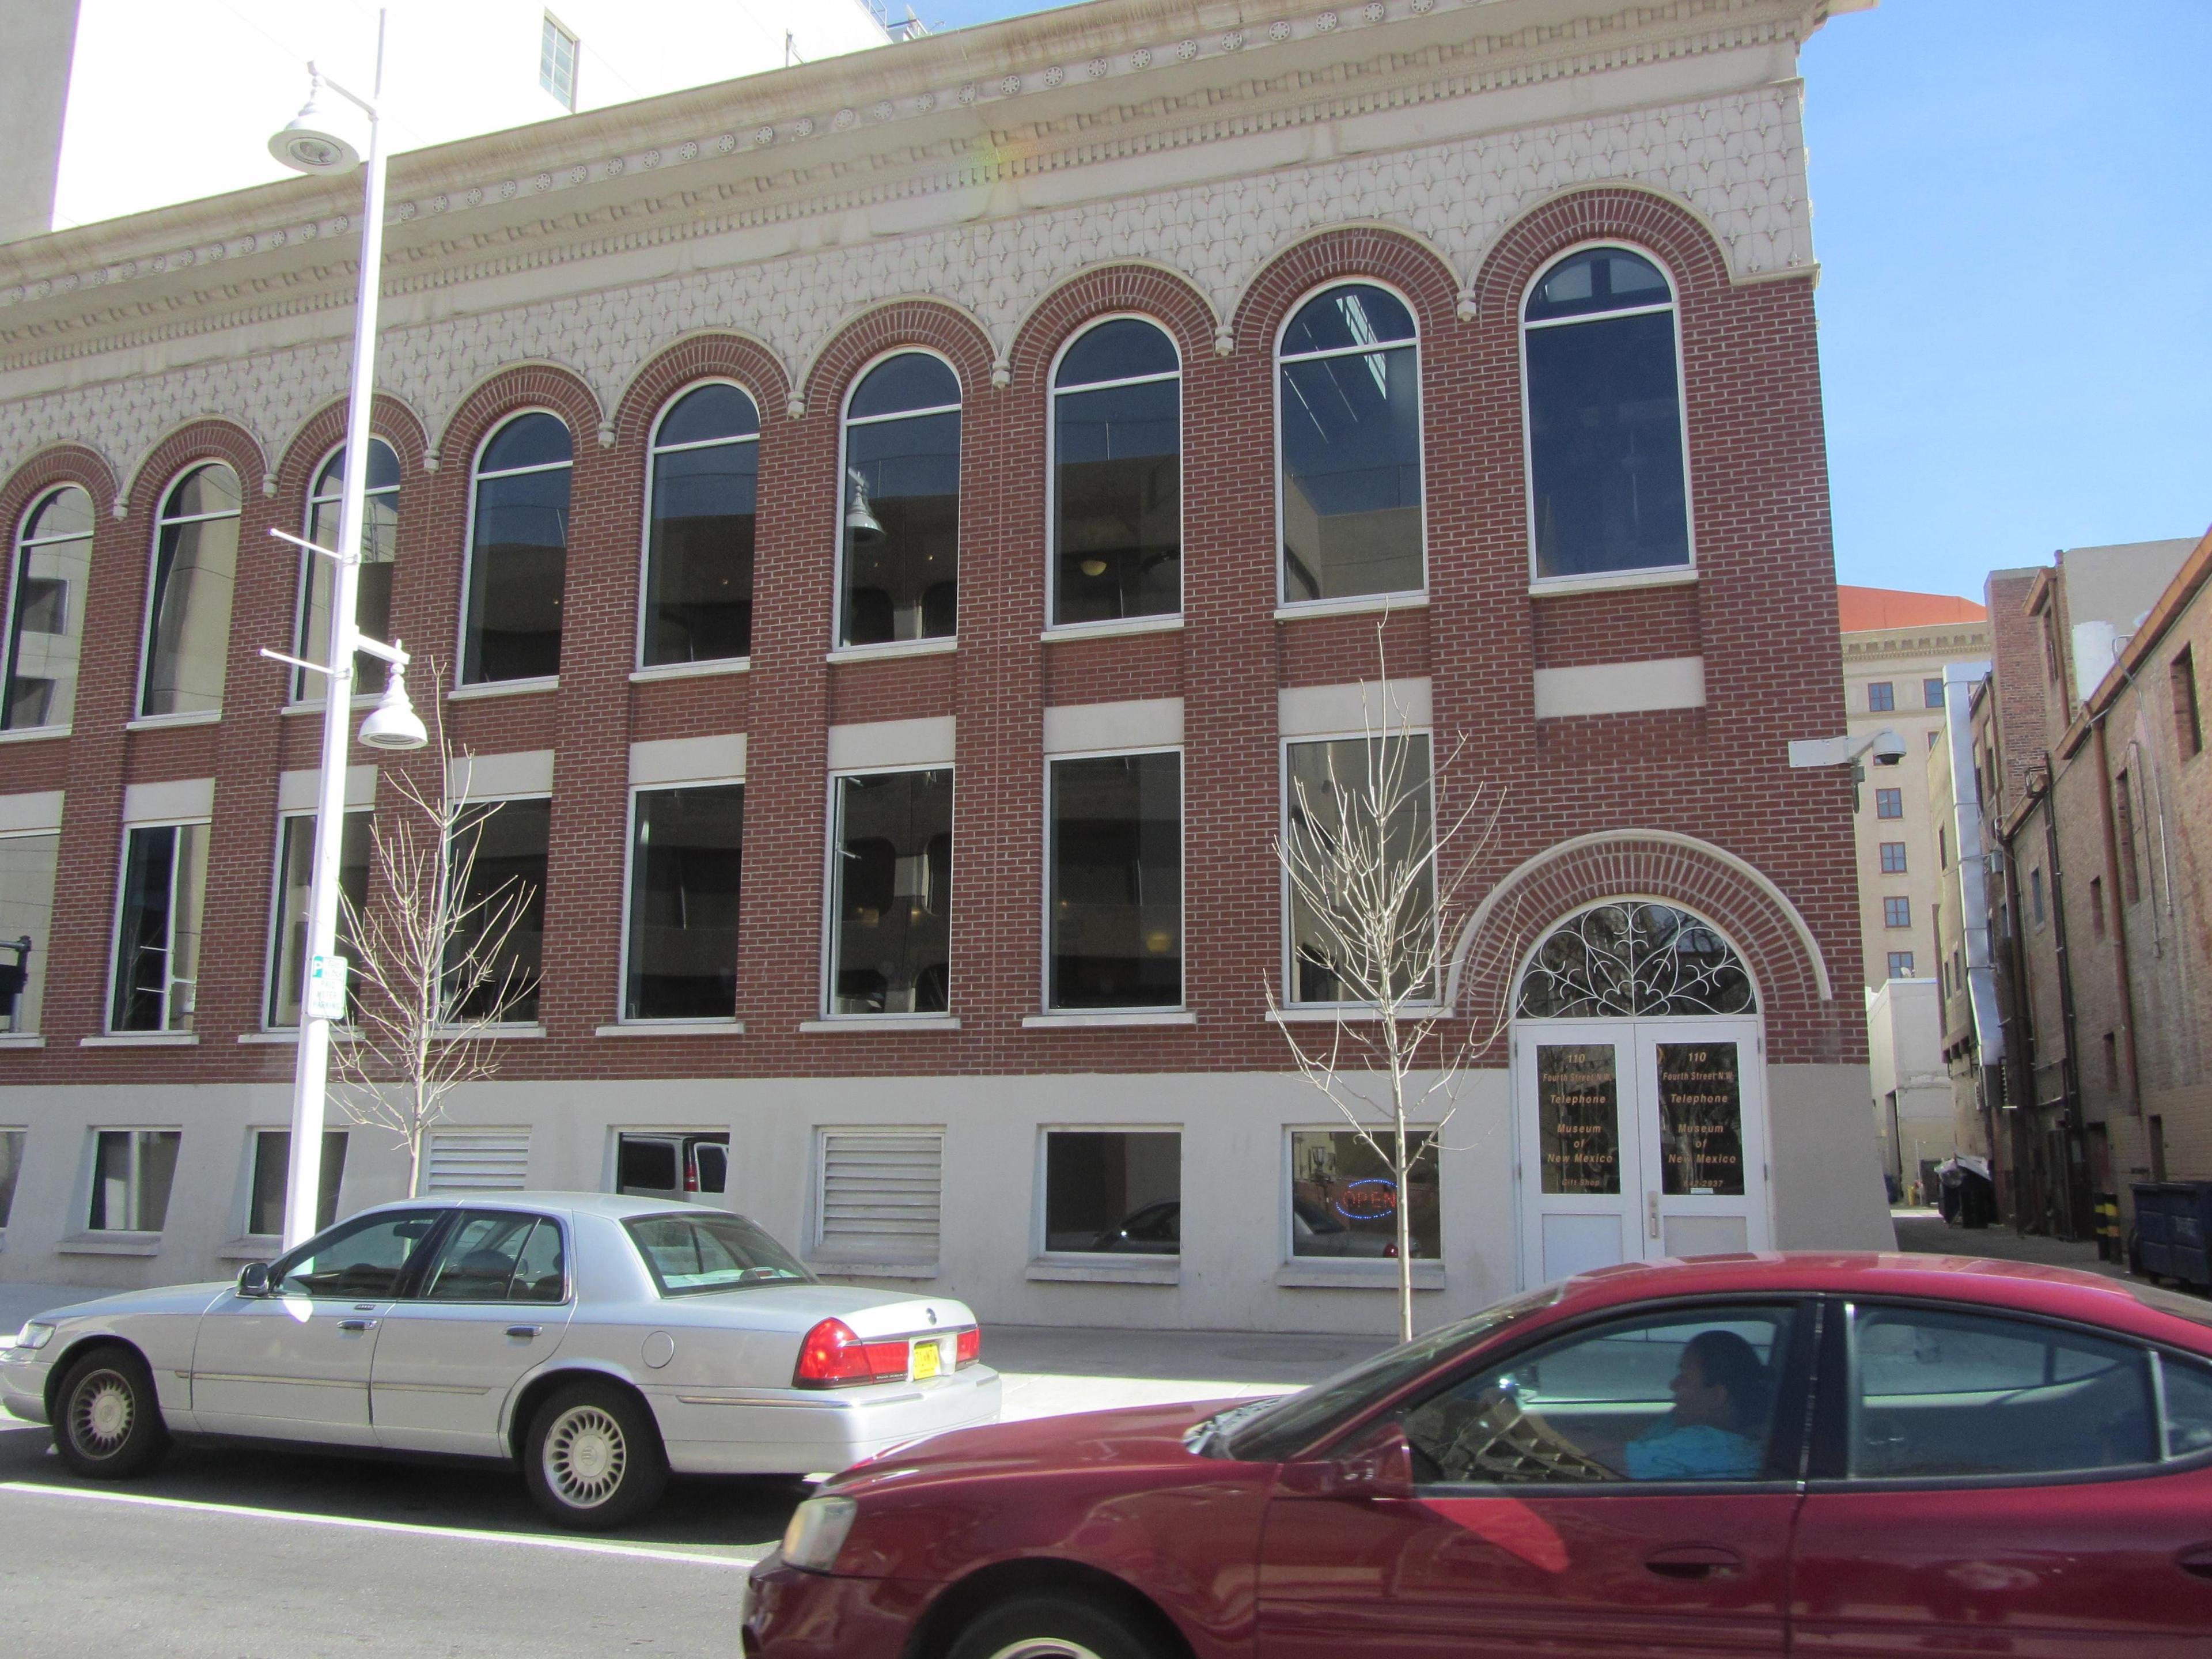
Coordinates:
<point>1372,1199</point>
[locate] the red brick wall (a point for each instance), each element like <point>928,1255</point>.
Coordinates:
<point>1762,613</point>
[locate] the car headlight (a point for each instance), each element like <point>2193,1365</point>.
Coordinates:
<point>816,1532</point>
<point>35,1334</point>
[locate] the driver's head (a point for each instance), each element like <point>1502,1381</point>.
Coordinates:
<point>1718,1380</point>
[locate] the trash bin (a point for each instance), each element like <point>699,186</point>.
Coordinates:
<point>1967,1198</point>
<point>2174,1230</point>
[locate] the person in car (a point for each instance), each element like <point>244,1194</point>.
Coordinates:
<point>1719,1417</point>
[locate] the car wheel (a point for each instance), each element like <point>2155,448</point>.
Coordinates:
<point>108,1424</point>
<point>1052,1627</point>
<point>593,1458</point>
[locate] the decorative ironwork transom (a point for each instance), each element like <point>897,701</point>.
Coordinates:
<point>1633,958</point>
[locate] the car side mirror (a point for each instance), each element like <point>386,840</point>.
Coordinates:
<point>1379,1464</point>
<point>253,1279</point>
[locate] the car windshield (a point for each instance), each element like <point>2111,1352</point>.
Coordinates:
<point>1275,1431</point>
<point>694,1252</point>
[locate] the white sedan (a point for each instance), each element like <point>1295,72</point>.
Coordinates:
<point>599,1342</point>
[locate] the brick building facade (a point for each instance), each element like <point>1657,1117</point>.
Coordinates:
<point>982,199</point>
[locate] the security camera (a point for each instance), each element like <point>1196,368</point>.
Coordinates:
<point>1888,748</point>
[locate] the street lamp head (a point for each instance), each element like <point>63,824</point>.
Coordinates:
<point>319,140</point>
<point>393,725</point>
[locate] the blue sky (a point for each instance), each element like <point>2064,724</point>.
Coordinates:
<point>2012,210</point>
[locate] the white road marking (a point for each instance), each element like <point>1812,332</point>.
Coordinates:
<point>476,1534</point>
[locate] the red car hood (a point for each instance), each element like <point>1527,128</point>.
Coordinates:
<point>1130,1436</point>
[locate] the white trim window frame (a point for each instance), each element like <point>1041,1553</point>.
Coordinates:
<point>1325,605</point>
<point>535,1023</point>
<point>556,67</point>
<point>167,995</point>
<point>896,646</point>
<point>1641,575</point>
<point>654,450</point>
<point>88,1184</point>
<point>1181,1003</point>
<point>1054,393</point>
<point>833,888</point>
<point>1382,1268</point>
<point>40,944</point>
<point>1290,1001</point>
<point>274,977</point>
<point>157,588</point>
<point>26,546</point>
<point>477,478</point>
<point>1040,1229</point>
<point>624,1015</point>
<point>325,492</point>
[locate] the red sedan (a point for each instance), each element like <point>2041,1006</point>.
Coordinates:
<point>1864,1455</point>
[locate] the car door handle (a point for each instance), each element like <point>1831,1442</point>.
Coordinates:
<point>526,1332</point>
<point>1694,1561</point>
<point>2198,1560</point>
<point>356,1324</point>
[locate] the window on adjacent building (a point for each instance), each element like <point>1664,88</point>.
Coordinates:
<point>2097,907</point>
<point>900,517</point>
<point>892,903</point>
<point>2112,1059</point>
<point>272,1172</point>
<point>1892,857</point>
<point>1116,1191</point>
<point>699,543</point>
<point>380,546</point>
<point>1117,475</point>
<point>1348,420</point>
<point>517,552</point>
<point>188,610</point>
<point>2035,896</point>
<point>1931,693</point>
<point>1889,803</point>
<point>46,621</point>
<point>1116,876</point>
<point>1333,789</point>
<point>687,849</point>
<point>131,1173</point>
<point>1943,847</point>
<point>2123,827</point>
<point>1933,738</point>
<point>499,875</point>
<point>1609,486</point>
<point>1900,964</point>
<point>157,942</point>
<point>27,917</point>
<point>287,944</point>
<point>2188,722</point>
<point>1897,912</point>
<point>557,63</point>
<point>1882,696</point>
<point>1344,1200</point>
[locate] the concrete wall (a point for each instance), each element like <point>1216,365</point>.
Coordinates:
<point>1827,1183</point>
<point>38,37</point>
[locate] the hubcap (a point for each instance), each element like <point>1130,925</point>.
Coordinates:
<point>1044,1647</point>
<point>585,1457</point>
<point>100,1416</point>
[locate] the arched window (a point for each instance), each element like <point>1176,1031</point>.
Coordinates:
<point>1609,488</point>
<point>1117,475</point>
<point>1633,958</point>
<point>380,546</point>
<point>188,613</point>
<point>46,618</point>
<point>699,535</point>
<point>900,506</point>
<point>1348,411</point>
<point>517,552</point>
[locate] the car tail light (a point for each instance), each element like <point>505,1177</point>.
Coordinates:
<point>831,1356</point>
<point>971,1347</point>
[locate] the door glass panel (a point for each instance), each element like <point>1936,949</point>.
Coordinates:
<point>712,1159</point>
<point>479,1259</point>
<point>2188,1407</point>
<point>1700,1120</point>
<point>1579,1115</point>
<point>1943,1394</point>
<point>1679,1396</point>
<point>367,1258</point>
<point>540,1272</point>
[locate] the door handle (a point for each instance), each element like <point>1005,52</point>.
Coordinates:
<point>526,1332</point>
<point>1694,1561</point>
<point>2198,1560</point>
<point>1652,1213</point>
<point>356,1324</point>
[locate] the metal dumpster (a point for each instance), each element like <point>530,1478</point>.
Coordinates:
<point>2174,1230</point>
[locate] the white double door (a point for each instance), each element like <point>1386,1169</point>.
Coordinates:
<point>1638,1139</point>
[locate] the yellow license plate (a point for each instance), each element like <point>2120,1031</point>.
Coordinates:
<point>927,1360</point>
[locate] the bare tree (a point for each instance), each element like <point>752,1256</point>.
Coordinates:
<point>1377,888</point>
<point>433,971</point>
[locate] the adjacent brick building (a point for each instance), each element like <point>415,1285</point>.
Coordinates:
<point>1353,251</point>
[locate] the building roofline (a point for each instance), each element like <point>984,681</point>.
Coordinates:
<point>2194,571</point>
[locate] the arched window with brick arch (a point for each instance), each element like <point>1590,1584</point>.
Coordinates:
<point>188,609</point>
<point>701,498</point>
<point>1348,435</point>
<point>517,551</point>
<point>1608,475</point>
<point>380,547</point>
<point>46,612</point>
<point>899,523</point>
<point>1116,475</point>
